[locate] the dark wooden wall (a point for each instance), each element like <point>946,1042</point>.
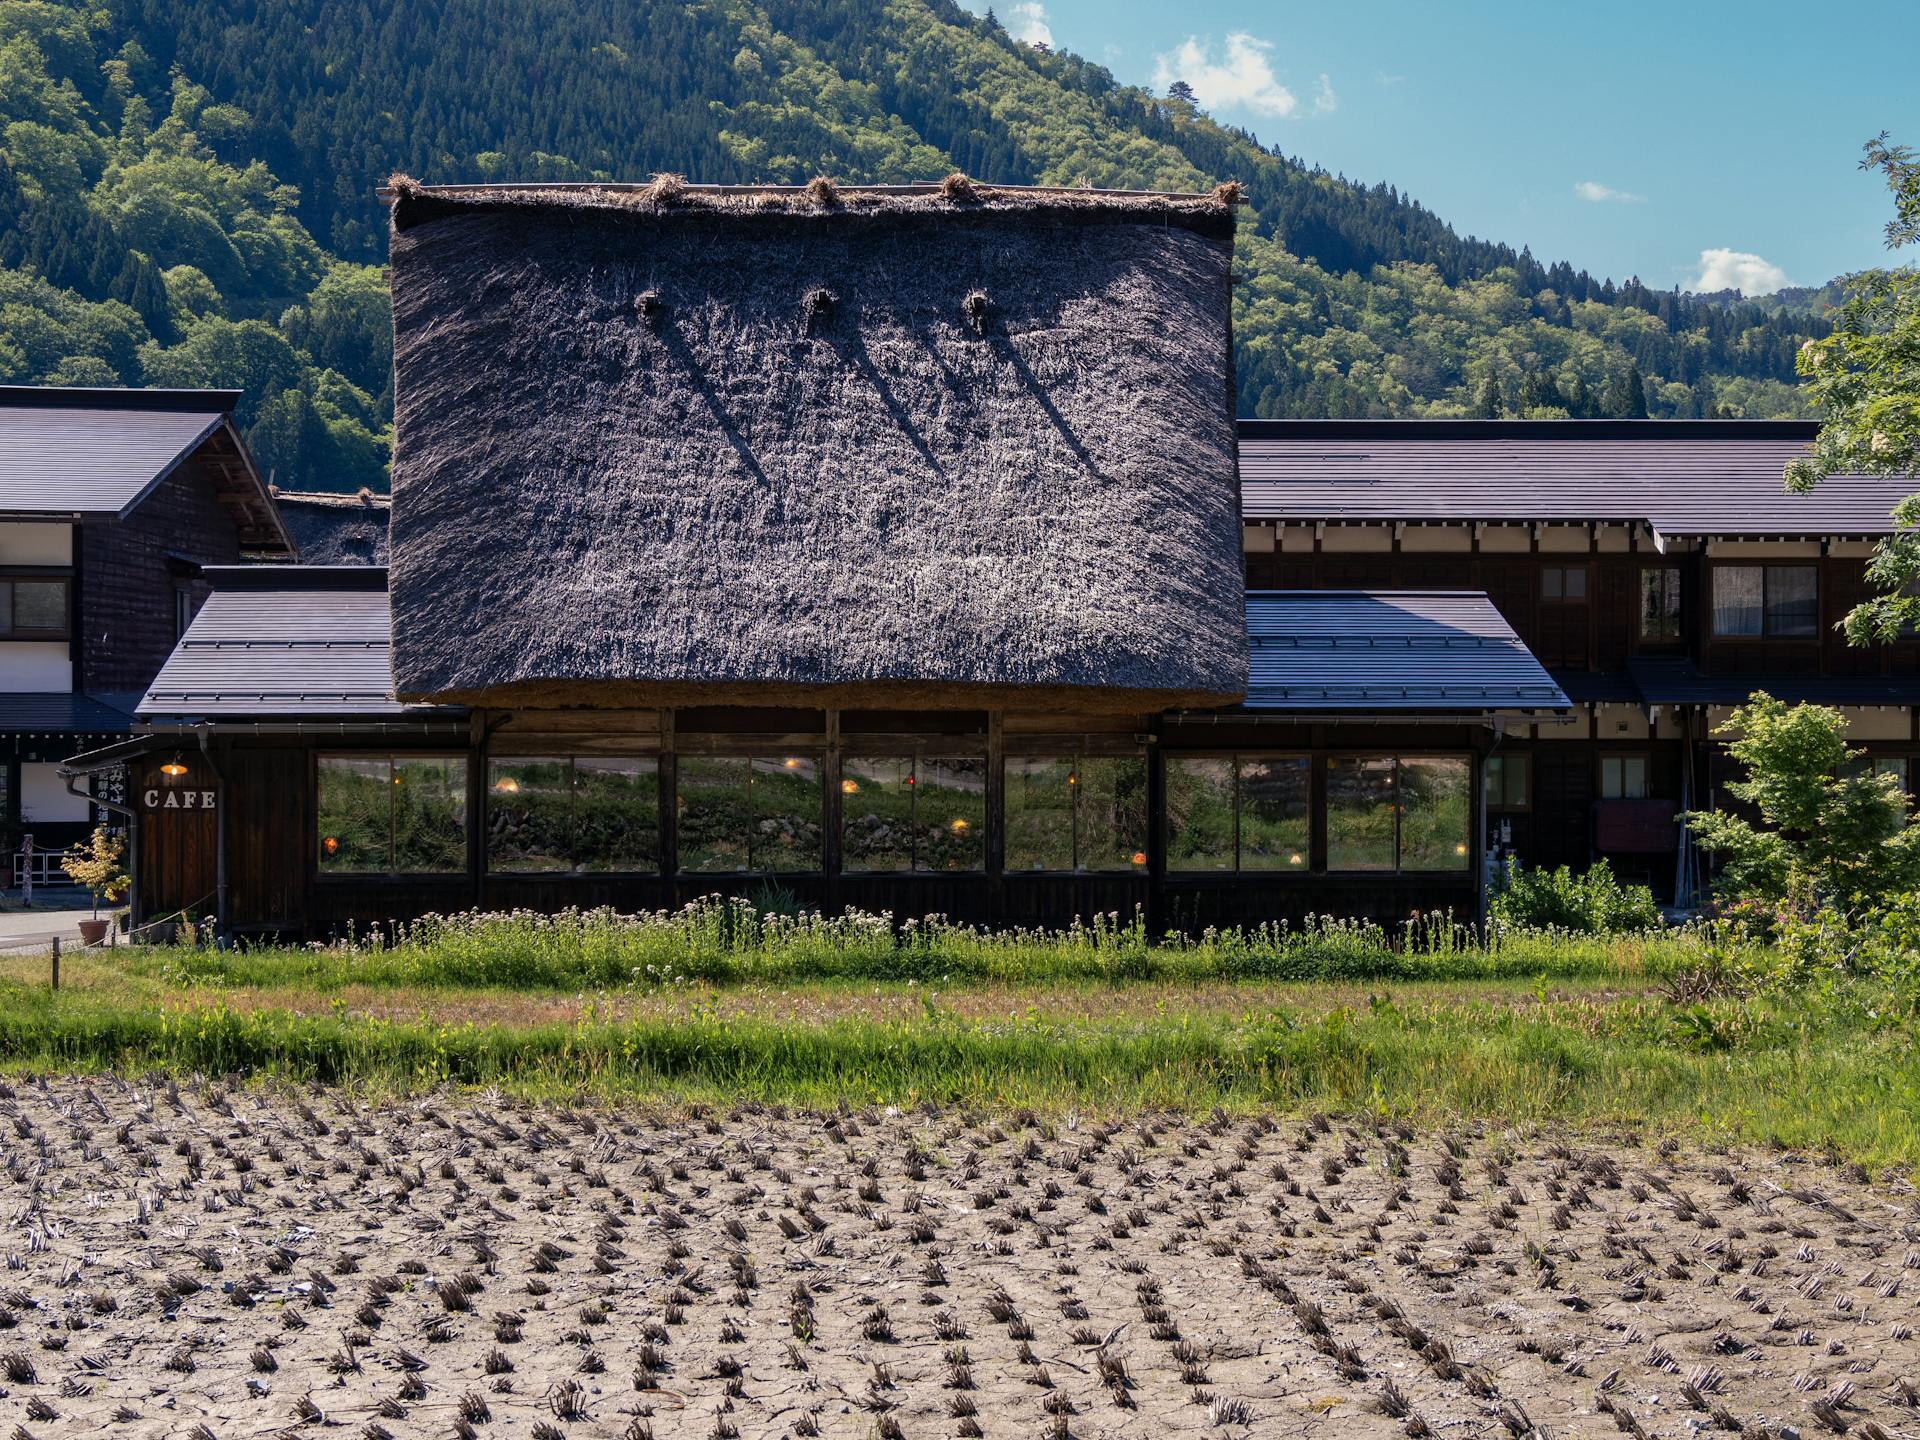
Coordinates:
<point>124,611</point>
<point>1601,634</point>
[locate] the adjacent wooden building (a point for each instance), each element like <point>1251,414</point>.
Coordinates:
<point>111,503</point>
<point>899,549</point>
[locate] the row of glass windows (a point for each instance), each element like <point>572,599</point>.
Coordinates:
<point>919,813</point>
<point>1749,601</point>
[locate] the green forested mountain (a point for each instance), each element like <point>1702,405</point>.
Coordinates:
<point>186,197</point>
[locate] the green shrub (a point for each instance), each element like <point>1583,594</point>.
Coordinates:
<point>1591,904</point>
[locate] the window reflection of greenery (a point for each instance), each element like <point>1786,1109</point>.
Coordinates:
<point>596,814</point>
<point>758,814</point>
<point>398,815</point>
<point>1089,814</point>
<point>899,813</point>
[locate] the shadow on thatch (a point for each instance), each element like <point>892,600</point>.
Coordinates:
<point>764,449</point>
<point>683,356</point>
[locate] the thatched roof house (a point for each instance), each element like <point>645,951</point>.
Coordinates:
<point>924,446</point>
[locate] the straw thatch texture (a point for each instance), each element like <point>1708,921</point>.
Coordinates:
<point>840,448</point>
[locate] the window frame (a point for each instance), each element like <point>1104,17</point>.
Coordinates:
<point>1077,757</point>
<point>573,870</point>
<point>1503,807</point>
<point>468,830</point>
<point>915,757</point>
<point>1236,760</point>
<point>18,576</point>
<point>751,755</point>
<point>1621,757</point>
<point>1667,573</point>
<point>1766,569</point>
<point>1463,847</point>
<point>1583,570</point>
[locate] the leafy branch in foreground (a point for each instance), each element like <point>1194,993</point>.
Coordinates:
<point>1829,826</point>
<point>1865,380</point>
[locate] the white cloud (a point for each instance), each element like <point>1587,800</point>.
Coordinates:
<point>1606,195</point>
<point>1740,270</point>
<point>1325,102</point>
<point>1240,78</point>
<point>1028,23</point>
<point>1381,77</point>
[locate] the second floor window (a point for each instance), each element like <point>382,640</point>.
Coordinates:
<point>1770,601</point>
<point>1564,584</point>
<point>1507,782</point>
<point>1623,777</point>
<point>1660,604</point>
<point>33,608</point>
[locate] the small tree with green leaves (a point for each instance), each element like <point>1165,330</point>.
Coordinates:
<point>1829,826</point>
<point>95,863</point>
<point>1865,379</point>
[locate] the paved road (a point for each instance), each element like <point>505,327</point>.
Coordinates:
<point>25,931</point>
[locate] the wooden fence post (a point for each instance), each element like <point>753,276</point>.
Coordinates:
<point>56,962</point>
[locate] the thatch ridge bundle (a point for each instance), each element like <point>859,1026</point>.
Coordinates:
<point>679,445</point>
<point>414,204</point>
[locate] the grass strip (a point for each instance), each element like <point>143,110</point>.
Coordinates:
<point>1737,1070</point>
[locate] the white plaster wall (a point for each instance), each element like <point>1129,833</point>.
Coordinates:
<point>35,667</point>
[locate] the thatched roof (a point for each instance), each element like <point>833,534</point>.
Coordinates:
<point>920,445</point>
<point>335,529</point>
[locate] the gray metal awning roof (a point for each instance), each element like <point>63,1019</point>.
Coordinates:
<point>67,452</point>
<point>1429,651</point>
<point>289,641</point>
<point>1675,680</point>
<point>55,712</point>
<point>1679,478</point>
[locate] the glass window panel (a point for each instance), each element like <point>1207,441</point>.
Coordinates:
<point>1360,814</point>
<point>1199,814</point>
<point>950,813</point>
<point>1039,804</point>
<point>1550,583</point>
<point>1660,604</point>
<point>1507,781</point>
<point>1576,583</point>
<point>616,813</point>
<point>1623,777</point>
<point>1113,813</point>
<point>1435,817</point>
<point>1275,800</point>
<point>40,605</point>
<point>429,815</point>
<point>876,814</point>
<point>355,812</point>
<point>1737,591</point>
<point>716,813</point>
<point>1793,600</point>
<point>1894,765</point>
<point>787,814</point>
<point>529,815</point>
<point>6,607</point>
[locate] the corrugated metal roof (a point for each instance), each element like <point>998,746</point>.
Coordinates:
<point>1389,650</point>
<point>1664,680</point>
<point>283,641</point>
<point>90,452</point>
<point>82,714</point>
<point>1679,477</point>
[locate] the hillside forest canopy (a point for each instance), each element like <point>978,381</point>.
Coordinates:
<point>187,198</point>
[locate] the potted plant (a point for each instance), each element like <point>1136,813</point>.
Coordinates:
<point>95,863</point>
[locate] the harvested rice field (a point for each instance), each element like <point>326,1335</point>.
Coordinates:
<point>191,1260</point>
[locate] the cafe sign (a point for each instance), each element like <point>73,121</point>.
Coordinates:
<point>173,797</point>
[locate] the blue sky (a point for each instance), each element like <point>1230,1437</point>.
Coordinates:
<point>1687,141</point>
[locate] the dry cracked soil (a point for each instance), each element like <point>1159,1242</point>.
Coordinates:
<point>202,1261</point>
